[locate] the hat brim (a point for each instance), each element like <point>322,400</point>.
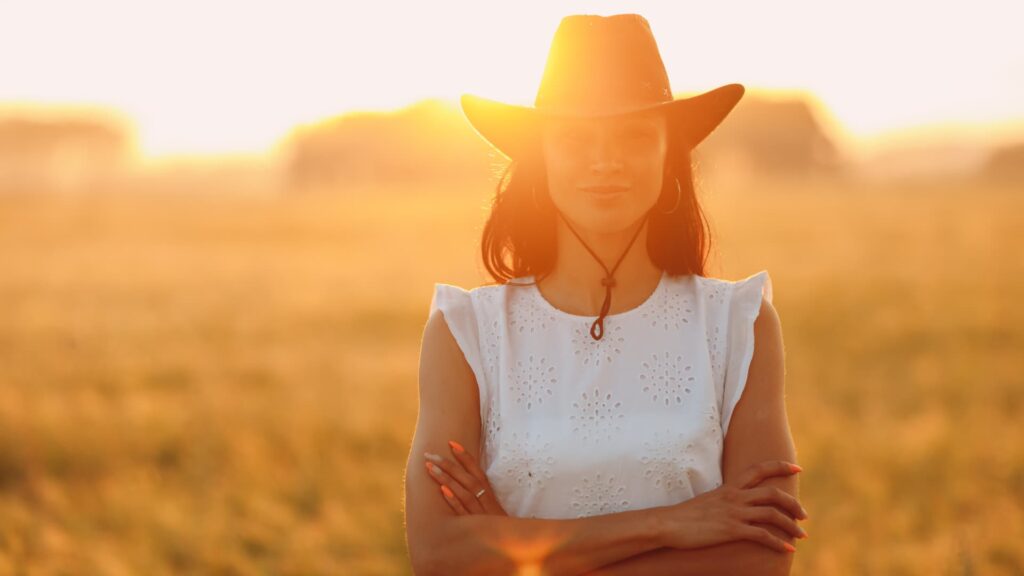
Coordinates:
<point>513,130</point>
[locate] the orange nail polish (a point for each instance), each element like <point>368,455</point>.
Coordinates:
<point>789,547</point>
<point>456,447</point>
<point>447,491</point>
<point>795,468</point>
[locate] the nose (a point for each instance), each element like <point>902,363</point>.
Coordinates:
<point>606,157</point>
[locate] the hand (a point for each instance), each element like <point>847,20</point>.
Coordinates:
<point>463,478</point>
<point>725,513</point>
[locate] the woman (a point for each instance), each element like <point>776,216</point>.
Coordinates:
<point>567,431</point>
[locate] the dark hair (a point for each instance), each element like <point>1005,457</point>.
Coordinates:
<point>519,236</point>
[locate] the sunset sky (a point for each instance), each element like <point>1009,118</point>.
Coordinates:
<point>206,76</point>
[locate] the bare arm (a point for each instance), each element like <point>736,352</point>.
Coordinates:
<point>440,542</point>
<point>491,544</point>
<point>758,431</point>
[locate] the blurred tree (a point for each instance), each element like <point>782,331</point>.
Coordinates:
<point>432,140</point>
<point>427,141</point>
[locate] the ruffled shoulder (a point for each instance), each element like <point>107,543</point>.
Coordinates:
<point>456,303</point>
<point>744,308</point>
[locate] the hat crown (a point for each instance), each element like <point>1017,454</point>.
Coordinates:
<point>602,65</point>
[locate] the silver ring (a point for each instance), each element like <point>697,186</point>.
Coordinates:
<point>481,492</point>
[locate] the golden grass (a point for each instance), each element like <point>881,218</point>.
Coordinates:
<point>227,384</point>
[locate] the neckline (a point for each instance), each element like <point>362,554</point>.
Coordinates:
<point>649,301</point>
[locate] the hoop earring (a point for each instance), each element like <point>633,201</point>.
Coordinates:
<point>679,195</point>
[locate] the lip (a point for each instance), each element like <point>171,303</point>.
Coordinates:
<point>604,190</point>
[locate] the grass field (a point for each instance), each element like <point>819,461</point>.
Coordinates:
<point>226,383</point>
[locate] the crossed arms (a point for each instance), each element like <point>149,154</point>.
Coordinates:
<point>441,542</point>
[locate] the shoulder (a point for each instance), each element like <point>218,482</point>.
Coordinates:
<point>740,297</point>
<point>451,314</point>
<point>767,335</point>
<point>452,292</point>
<point>439,346</point>
<point>747,306</point>
<point>455,316</point>
<point>752,299</point>
<point>766,365</point>
<point>754,293</point>
<point>455,302</point>
<point>760,281</point>
<point>756,349</point>
<point>447,376</point>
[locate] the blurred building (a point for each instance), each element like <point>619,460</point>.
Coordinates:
<point>771,137</point>
<point>1006,164</point>
<point>61,154</point>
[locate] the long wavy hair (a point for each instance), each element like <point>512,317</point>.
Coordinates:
<point>519,238</point>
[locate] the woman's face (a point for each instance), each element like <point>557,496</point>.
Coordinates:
<point>626,153</point>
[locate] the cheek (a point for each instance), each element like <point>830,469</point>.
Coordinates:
<point>563,175</point>
<point>646,175</point>
<point>648,179</point>
<point>649,176</point>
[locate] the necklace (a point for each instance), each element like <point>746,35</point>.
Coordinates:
<point>597,328</point>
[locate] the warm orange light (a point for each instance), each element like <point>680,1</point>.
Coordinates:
<point>204,77</point>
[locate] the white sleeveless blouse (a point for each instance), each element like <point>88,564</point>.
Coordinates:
<point>575,427</point>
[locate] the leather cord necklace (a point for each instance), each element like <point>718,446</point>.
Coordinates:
<point>597,328</point>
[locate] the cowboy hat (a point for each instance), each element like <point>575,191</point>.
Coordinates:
<point>600,66</point>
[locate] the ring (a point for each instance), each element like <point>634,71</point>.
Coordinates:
<point>480,493</point>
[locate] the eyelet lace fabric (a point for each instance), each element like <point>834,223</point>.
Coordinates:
<point>572,427</point>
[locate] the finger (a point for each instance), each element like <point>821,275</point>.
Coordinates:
<point>762,536</point>
<point>755,474</point>
<point>454,502</point>
<point>470,463</point>
<point>490,502</point>
<point>442,477</point>
<point>771,515</point>
<point>435,473</point>
<point>455,469</point>
<point>467,460</point>
<point>468,500</point>
<point>774,495</point>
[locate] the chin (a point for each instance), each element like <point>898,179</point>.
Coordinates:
<point>605,221</point>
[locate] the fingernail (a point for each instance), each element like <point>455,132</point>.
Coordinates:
<point>803,533</point>
<point>456,447</point>
<point>432,469</point>
<point>432,456</point>
<point>804,512</point>
<point>447,492</point>
<point>789,546</point>
<point>795,468</point>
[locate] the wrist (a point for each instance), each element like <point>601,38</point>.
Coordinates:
<point>655,525</point>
